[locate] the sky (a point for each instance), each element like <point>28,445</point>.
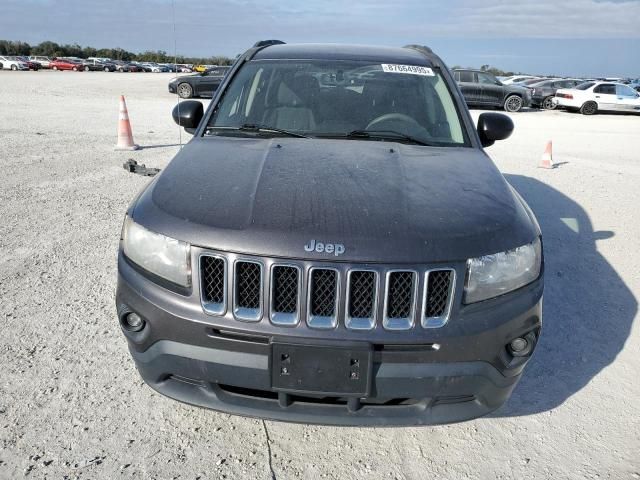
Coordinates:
<point>578,37</point>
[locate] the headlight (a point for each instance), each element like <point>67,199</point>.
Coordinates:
<point>500,273</point>
<point>163,256</point>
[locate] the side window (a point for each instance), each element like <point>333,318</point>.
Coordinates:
<point>625,91</point>
<point>456,76</point>
<point>486,79</point>
<point>605,88</point>
<point>466,77</point>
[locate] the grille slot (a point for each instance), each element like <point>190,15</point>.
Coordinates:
<point>323,298</point>
<point>438,296</point>
<point>285,293</point>
<point>248,290</point>
<point>399,300</point>
<point>362,292</point>
<point>213,284</point>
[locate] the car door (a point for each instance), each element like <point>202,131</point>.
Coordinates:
<point>210,81</point>
<point>628,100</point>
<point>469,86</point>
<point>605,96</point>
<point>491,90</point>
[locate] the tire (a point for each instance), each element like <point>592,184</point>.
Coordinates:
<point>75,69</point>
<point>184,90</point>
<point>106,69</point>
<point>513,103</point>
<point>589,108</point>
<point>14,67</point>
<point>547,104</point>
<point>54,68</point>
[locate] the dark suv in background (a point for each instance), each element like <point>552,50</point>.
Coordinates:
<point>543,92</point>
<point>482,89</point>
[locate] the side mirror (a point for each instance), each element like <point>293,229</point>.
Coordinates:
<point>188,114</point>
<point>492,127</point>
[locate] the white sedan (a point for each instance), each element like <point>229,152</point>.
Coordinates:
<point>12,63</point>
<point>593,97</point>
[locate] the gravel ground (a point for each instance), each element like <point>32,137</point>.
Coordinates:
<point>73,406</point>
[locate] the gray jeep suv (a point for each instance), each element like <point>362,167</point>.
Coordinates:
<point>482,89</point>
<point>333,246</point>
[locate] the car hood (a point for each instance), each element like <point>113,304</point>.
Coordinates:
<point>384,201</point>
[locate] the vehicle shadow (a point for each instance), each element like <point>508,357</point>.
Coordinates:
<point>588,310</point>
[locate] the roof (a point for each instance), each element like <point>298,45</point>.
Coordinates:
<point>313,51</point>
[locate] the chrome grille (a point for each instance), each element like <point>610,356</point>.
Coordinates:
<point>438,297</point>
<point>361,300</point>
<point>212,273</point>
<point>323,298</point>
<point>285,294</point>
<point>324,295</point>
<point>248,290</point>
<point>400,299</point>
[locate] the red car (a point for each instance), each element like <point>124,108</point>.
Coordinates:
<point>66,64</point>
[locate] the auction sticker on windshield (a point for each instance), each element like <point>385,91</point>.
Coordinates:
<point>410,69</point>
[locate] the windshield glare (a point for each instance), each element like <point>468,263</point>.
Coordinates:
<point>334,98</point>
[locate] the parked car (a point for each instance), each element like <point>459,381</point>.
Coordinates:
<point>153,67</point>
<point>199,84</point>
<point>593,97</point>
<point>100,59</point>
<point>184,69</point>
<point>32,65</point>
<point>482,89</point>
<point>13,63</point>
<point>542,93</point>
<point>517,79</point>
<point>66,64</point>
<point>169,66</point>
<point>123,66</point>
<point>41,59</point>
<point>99,65</point>
<point>530,81</point>
<point>333,219</point>
<point>202,68</point>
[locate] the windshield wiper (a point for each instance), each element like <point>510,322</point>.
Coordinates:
<point>251,127</point>
<point>386,135</point>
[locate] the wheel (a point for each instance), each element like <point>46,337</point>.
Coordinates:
<point>547,104</point>
<point>14,67</point>
<point>54,68</point>
<point>75,69</point>
<point>106,69</point>
<point>185,90</point>
<point>589,108</point>
<point>513,103</point>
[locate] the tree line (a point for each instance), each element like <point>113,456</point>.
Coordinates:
<point>53,49</point>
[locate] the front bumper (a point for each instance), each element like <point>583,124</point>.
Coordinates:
<point>463,372</point>
<point>172,88</point>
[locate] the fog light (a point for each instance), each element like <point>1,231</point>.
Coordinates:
<point>133,322</point>
<point>520,347</point>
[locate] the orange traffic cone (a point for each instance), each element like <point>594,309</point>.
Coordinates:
<point>125,137</point>
<point>547,157</point>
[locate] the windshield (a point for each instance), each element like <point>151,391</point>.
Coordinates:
<point>339,98</point>
<point>585,86</point>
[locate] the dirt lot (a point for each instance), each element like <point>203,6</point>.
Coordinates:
<point>73,406</point>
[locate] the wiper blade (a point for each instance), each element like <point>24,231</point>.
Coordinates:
<point>251,127</point>
<point>264,128</point>
<point>387,134</point>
